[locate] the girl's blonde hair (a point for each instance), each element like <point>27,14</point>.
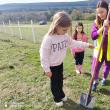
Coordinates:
<point>60,19</point>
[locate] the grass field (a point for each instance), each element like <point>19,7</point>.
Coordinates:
<point>24,87</point>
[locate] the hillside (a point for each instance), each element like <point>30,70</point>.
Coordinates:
<point>46,6</point>
<point>94,2</point>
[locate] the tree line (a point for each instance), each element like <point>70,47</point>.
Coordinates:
<point>36,16</point>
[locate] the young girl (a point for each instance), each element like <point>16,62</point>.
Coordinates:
<point>53,51</point>
<point>78,53</point>
<point>96,34</point>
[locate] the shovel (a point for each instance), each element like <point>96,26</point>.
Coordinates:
<point>86,99</point>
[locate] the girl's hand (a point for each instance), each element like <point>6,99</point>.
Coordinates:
<point>106,23</point>
<point>91,46</point>
<point>49,74</point>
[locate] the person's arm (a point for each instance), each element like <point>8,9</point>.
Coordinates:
<point>100,30</point>
<point>74,43</point>
<point>85,38</point>
<point>45,54</point>
<point>95,32</point>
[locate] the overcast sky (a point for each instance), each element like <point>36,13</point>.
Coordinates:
<point>33,1</point>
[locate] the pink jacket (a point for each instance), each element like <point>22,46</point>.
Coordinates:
<point>79,49</point>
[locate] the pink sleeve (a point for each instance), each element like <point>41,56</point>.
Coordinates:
<point>73,50</point>
<point>85,38</point>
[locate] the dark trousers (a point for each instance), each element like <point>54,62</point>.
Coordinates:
<point>79,58</point>
<point>57,82</point>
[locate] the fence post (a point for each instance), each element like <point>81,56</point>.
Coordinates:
<point>20,30</point>
<point>87,28</point>
<point>0,28</point>
<point>11,28</point>
<point>33,33</point>
<point>4,29</point>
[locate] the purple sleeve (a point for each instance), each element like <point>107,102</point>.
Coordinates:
<point>94,33</point>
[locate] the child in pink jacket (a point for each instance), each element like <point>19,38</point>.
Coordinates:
<point>78,52</point>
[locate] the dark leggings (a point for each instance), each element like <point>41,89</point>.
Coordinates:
<point>79,56</point>
<point>57,82</point>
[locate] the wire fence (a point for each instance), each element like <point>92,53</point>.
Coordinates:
<point>22,31</point>
<point>32,32</point>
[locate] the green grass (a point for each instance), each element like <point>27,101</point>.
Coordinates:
<point>23,86</point>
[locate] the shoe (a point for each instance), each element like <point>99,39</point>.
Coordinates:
<point>59,104</point>
<point>64,99</point>
<point>77,71</point>
<point>94,86</point>
<point>103,82</point>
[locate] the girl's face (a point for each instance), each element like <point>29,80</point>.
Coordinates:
<point>79,29</point>
<point>102,13</point>
<point>62,30</point>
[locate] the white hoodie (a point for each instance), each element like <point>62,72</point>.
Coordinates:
<point>53,49</point>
